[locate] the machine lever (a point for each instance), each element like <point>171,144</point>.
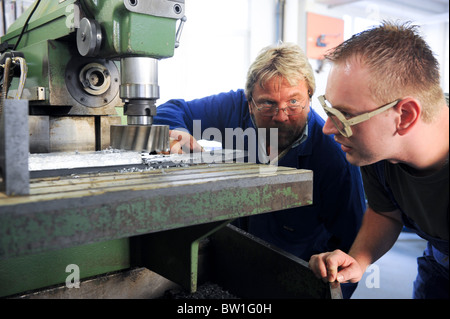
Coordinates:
<point>180,29</point>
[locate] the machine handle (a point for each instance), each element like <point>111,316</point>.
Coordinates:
<point>180,29</point>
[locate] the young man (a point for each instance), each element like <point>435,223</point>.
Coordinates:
<point>387,110</point>
<point>278,92</point>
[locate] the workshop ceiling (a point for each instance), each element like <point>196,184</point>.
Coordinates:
<point>429,11</point>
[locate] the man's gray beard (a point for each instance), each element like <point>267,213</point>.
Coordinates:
<point>287,143</point>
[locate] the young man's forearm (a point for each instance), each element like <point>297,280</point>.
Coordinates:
<point>377,235</point>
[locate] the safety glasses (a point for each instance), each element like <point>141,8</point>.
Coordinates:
<point>344,124</point>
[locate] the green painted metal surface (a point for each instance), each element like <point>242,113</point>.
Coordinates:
<point>174,253</point>
<point>123,32</point>
<point>78,215</point>
<point>49,44</point>
<point>51,20</point>
<point>112,206</point>
<point>130,33</point>
<point>25,273</point>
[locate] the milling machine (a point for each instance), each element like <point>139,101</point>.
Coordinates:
<point>73,50</point>
<point>68,68</point>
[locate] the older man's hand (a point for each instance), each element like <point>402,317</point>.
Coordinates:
<point>183,142</point>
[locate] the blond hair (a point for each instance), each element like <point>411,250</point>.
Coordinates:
<point>401,64</point>
<point>286,60</point>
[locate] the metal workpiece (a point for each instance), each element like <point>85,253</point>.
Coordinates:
<point>14,175</point>
<point>50,134</point>
<point>62,212</point>
<point>61,163</point>
<point>149,138</point>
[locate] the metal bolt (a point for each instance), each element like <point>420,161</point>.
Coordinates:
<point>177,8</point>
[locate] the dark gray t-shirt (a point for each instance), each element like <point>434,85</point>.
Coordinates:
<point>423,199</point>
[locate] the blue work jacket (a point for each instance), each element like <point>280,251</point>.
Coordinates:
<point>335,216</point>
